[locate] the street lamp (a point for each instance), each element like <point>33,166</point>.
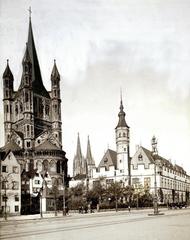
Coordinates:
<point>154,154</point>
<point>64,212</point>
<point>5,198</point>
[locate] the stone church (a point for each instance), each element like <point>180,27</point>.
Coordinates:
<point>33,131</point>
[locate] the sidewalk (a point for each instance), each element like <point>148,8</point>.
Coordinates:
<point>75,214</point>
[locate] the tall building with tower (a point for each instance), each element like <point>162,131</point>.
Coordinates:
<point>33,132</point>
<point>146,170</point>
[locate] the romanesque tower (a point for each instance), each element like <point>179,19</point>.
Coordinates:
<point>32,118</point>
<point>122,143</point>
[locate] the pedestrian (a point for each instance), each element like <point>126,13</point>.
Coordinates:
<point>129,208</point>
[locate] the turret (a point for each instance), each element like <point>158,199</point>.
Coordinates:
<point>56,103</point>
<point>7,100</point>
<point>122,142</point>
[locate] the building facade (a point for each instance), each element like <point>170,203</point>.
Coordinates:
<point>141,170</point>
<point>33,130</point>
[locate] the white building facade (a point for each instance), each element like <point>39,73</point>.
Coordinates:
<point>172,182</point>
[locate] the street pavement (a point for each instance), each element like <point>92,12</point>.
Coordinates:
<point>174,224</point>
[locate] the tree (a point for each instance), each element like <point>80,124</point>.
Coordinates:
<point>115,191</point>
<point>97,193</point>
<point>55,193</point>
<point>76,196</point>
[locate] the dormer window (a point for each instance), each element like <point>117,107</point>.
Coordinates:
<point>105,160</point>
<point>140,157</point>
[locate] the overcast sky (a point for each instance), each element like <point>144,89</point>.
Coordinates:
<point>141,46</point>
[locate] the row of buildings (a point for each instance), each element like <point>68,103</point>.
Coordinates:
<point>143,169</point>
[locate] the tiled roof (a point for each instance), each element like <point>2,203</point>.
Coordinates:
<point>109,159</point>
<point>12,146</point>
<point>47,145</point>
<point>163,161</point>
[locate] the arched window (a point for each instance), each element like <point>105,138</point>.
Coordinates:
<point>26,97</point>
<point>16,109</point>
<point>60,181</point>
<point>39,165</point>
<point>119,134</point>
<point>124,135</point>
<point>46,165</point>
<point>52,166</point>
<point>140,157</point>
<point>54,181</point>
<point>58,167</point>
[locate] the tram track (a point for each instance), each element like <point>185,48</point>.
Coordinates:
<point>64,228</point>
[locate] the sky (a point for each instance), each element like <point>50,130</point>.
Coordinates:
<point>100,47</point>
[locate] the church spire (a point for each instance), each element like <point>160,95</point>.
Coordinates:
<point>121,115</point>
<point>89,158</point>
<point>37,83</point>
<point>78,152</point>
<point>7,73</point>
<point>55,73</point>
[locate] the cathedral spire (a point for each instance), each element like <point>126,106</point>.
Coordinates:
<point>37,83</point>
<point>78,152</point>
<point>89,159</point>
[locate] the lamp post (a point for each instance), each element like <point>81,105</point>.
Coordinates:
<point>154,154</point>
<point>64,212</point>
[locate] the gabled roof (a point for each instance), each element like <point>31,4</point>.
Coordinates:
<point>109,159</point>
<point>162,161</point>
<point>10,146</point>
<point>47,145</point>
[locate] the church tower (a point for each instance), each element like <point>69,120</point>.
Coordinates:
<point>89,159</point>
<point>122,143</point>
<point>79,162</point>
<point>32,122</point>
<point>8,101</point>
<point>56,103</point>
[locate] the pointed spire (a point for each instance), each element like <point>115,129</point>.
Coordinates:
<point>55,73</point>
<point>37,83</point>
<point>7,73</point>
<point>26,58</point>
<point>89,158</point>
<point>78,152</point>
<point>121,115</point>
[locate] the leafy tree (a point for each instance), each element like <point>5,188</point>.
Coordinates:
<point>115,191</point>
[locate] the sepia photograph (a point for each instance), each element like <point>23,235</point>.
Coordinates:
<point>95,119</point>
